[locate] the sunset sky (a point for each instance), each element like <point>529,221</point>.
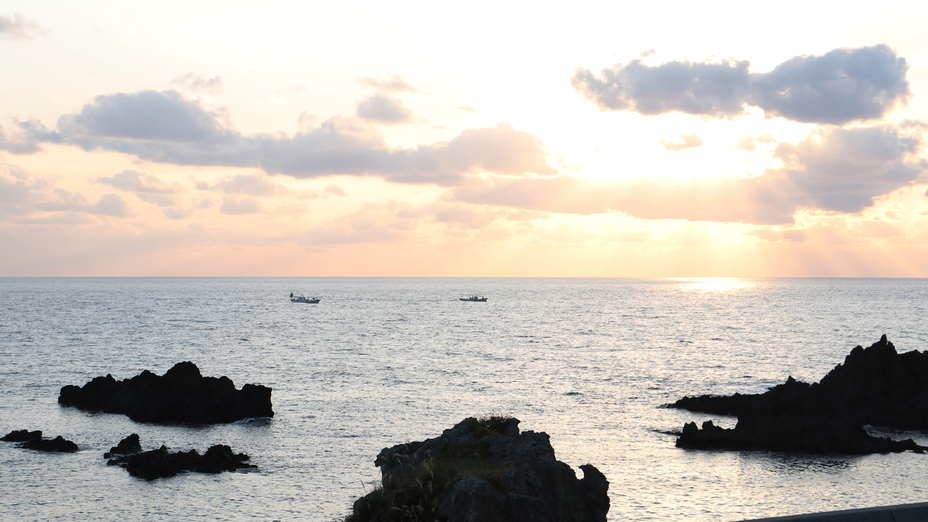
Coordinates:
<point>590,139</point>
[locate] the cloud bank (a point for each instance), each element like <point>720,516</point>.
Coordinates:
<point>165,127</point>
<point>841,170</point>
<point>839,87</point>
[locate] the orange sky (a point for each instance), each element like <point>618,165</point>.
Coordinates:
<point>215,140</point>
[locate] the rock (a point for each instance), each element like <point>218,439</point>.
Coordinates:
<point>182,395</point>
<point>56,445</point>
<point>22,436</point>
<point>161,463</point>
<point>874,386</point>
<point>127,446</point>
<point>483,470</point>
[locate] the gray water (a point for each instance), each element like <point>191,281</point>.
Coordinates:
<point>384,361</point>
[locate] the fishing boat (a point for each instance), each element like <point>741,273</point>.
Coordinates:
<point>301,299</point>
<point>473,298</point>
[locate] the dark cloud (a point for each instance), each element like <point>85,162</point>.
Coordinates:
<point>841,86</point>
<point>193,82</point>
<point>841,170</point>
<point>390,83</point>
<point>19,27</point>
<point>383,109</point>
<point>687,141</point>
<point>164,127</point>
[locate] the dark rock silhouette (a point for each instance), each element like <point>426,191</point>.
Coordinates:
<point>127,446</point>
<point>874,386</point>
<point>483,470</point>
<point>161,463</point>
<point>182,395</point>
<point>56,445</point>
<point>22,436</point>
<point>33,440</point>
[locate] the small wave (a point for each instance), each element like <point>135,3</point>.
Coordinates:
<point>254,420</point>
<point>573,393</point>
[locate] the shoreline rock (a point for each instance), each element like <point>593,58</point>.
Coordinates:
<point>181,395</point>
<point>162,463</point>
<point>483,470</point>
<point>33,440</point>
<point>875,386</point>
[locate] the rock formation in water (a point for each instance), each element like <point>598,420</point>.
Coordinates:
<point>182,395</point>
<point>483,470</point>
<point>127,446</point>
<point>874,386</point>
<point>33,440</point>
<point>161,463</point>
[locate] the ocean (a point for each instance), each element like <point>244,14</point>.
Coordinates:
<point>382,361</point>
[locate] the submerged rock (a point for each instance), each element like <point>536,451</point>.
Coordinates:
<point>874,386</point>
<point>182,395</point>
<point>161,463</point>
<point>483,471</point>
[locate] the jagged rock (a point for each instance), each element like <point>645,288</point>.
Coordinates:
<point>22,436</point>
<point>874,386</point>
<point>483,471</point>
<point>127,446</point>
<point>56,445</point>
<point>161,463</point>
<point>182,395</point>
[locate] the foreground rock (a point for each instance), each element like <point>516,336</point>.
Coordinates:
<point>874,386</point>
<point>485,471</point>
<point>182,395</point>
<point>33,440</point>
<point>161,463</point>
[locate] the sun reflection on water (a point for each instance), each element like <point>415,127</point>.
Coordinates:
<point>714,285</point>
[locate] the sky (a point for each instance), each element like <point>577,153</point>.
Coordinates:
<point>595,139</point>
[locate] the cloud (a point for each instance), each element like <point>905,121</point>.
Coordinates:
<point>839,87</point>
<point>688,141</point>
<point>164,127</point>
<point>748,143</point>
<point>193,82</point>
<point>838,170</point>
<point>383,109</point>
<point>374,222</point>
<point>390,83</point>
<point>148,188</point>
<point>26,137</point>
<point>237,207</point>
<point>250,184</point>
<point>22,196</point>
<point>19,27</point>
<point>336,190</point>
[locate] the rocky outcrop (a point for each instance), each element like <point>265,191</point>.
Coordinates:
<point>483,470</point>
<point>874,386</point>
<point>182,395</point>
<point>22,436</point>
<point>161,463</point>
<point>127,446</point>
<point>33,440</point>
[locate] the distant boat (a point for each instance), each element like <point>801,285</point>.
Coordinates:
<point>473,298</point>
<point>301,299</point>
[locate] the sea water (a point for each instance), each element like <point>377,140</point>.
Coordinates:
<point>380,362</point>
